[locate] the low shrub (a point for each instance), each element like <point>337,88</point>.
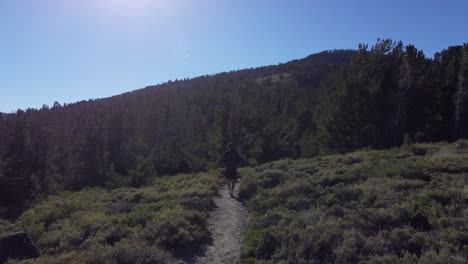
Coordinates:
<point>125,225</point>
<point>174,228</point>
<point>404,205</point>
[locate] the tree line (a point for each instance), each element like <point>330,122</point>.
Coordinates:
<point>333,101</point>
<point>392,94</point>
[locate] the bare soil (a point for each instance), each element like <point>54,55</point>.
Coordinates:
<point>226,224</point>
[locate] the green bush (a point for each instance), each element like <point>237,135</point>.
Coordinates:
<point>176,228</point>
<point>260,245</point>
<point>404,205</point>
<point>124,225</point>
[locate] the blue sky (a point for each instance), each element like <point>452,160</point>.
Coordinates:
<point>71,50</point>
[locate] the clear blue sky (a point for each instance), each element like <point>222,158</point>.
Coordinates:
<point>70,50</point>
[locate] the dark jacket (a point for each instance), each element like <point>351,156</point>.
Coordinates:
<point>230,160</point>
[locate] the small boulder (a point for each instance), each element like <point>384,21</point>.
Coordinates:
<point>17,246</point>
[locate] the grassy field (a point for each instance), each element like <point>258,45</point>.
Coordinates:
<point>404,205</point>
<point>145,225</point>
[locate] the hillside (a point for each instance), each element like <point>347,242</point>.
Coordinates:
<point>339,101</point>
<point>177,126</point>
<point>404,205</point>
<point>125,225</point>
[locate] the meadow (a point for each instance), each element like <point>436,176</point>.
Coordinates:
<point>403,205</point>
<point>151,224</point>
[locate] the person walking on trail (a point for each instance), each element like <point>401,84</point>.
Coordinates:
<point>230,159</point>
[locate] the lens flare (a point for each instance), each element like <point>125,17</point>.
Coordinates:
<point>126,8</point>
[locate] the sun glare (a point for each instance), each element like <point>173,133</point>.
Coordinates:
<point>131,8</point>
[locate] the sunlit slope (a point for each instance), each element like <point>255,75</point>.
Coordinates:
<point>408,204</point>
<point>404,205</point>
<point>126,225</point>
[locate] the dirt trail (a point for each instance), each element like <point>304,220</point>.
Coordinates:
<point>226,225</point>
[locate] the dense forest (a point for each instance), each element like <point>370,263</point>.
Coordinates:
<point>335,101</point>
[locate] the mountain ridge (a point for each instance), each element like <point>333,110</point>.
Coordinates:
<point>312,59</point>
<point>177,126</point>
<point>331,102</point>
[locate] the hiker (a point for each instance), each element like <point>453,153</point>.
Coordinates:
<point>230,160</point>
<point>296,153</point>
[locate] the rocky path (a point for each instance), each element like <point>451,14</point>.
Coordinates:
<point>226,225</point>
